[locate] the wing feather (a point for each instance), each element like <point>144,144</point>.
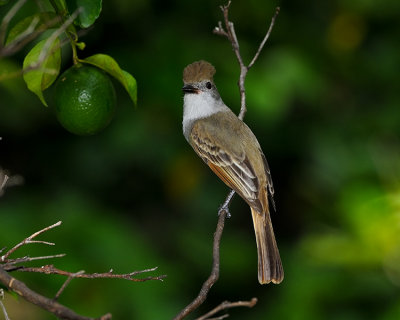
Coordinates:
<point>270,186</point>
<point>234,169</point>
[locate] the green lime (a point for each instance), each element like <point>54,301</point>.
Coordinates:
<point>84,99</point>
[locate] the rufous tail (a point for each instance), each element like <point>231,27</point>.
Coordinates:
<point>269,262</point>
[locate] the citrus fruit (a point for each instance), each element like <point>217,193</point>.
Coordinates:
<point>84,99</point>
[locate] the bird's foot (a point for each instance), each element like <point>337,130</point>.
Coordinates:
<point>225,206</point>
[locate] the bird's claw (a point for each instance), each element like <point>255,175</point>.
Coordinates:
<point>224,208</point>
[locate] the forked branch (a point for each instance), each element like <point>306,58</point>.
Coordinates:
<point>8,265</point>
<point>229,32</point>
<point>227,305</point>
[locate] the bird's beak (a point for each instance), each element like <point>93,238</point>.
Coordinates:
<point>188,88</point>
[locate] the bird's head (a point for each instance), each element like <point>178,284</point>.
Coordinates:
<point>198,79</point>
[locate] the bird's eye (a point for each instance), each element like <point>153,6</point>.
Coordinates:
<point>208,85</point>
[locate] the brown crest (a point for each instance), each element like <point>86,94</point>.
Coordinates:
<point>198,71</point>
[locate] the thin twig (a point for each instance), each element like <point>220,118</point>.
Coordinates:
<point>45,303</point>
<point>201,297</point>
<point>3,308</point>
<point>7,181</point>
<point>4,178</point>
<point>28,240</point>
<point>231,35</point>
<point>7,18</point>
<point>271,25</point>
<point>27,36</point>
<point>66,283</point>
<point>11,263</point>
<point>50,269</point>
<point>31,28</point>
<point>228,305</point>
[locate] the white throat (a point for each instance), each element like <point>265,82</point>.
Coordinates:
<point>199,106</point>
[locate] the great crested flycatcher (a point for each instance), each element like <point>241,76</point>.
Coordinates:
<point>231,150</point>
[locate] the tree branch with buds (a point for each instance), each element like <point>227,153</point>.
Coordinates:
<point>228,31</point>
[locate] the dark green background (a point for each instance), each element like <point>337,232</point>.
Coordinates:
<point>323,100</point>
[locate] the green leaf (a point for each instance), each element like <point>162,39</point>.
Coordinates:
<point>38,22</point>
<point>3,2</point>
<point>90,11</point>
<point>109,65</point>
<point>42,76</point>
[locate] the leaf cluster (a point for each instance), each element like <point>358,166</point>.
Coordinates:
<point>64,20</point>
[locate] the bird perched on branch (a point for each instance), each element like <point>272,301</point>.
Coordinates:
<point>231,150</point>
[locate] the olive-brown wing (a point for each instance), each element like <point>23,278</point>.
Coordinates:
<point>232,167</point>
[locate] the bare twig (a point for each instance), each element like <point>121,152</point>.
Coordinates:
<point>262,44</point>
<point>43,302</point>
<point>3,308</point>
<point>27,36</point>
<point>66,283</point>
<point>50,269</point>
<point>28,31</point>
<point>7,180</point>
<point>231,35</point>
<point>29,240</point>
<point>10,265</point>
<point>228,305</point>
<point>3,181</point>
<point>7,18</point>
<point>214,271</point>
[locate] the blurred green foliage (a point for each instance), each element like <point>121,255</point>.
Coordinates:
<point>323,100</point>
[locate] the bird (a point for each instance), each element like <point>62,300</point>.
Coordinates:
<point>231,150</point>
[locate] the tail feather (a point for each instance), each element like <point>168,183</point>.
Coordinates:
<point>269,262</point>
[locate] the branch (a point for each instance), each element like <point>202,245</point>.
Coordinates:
<point>271,25</point>
<point>50,305</point>
<point>228,305</point>
<point>29,240</point>
<point>50,269</point>
<point>231,35</point>
<point>7,18</point>
<point>66,283</point>
<point>7,180</point>
<point>214,271</point>
<point>31,33</point>
<point>7,265</point>
<point>3,308</point>
<point>10,265</point>
<point>3,181</point>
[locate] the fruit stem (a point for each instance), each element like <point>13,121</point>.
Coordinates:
<point>73,46</point>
